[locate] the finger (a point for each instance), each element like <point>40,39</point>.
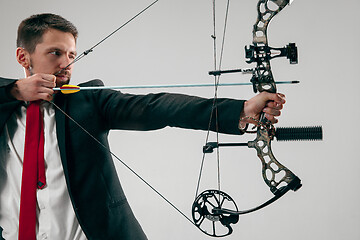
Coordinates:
<point>48,84</point>
<point>45,96</point>
<point>46,87</point>
<point>45,90</point>
<point>281,95</point>
<point>280,98</point>
<point>48,80</point>
<point>271,118</point>
<point>274,105</point>
<point>272,111</point>
<point>277,97</point>
<point>48,77</point>
<point>43,80</point>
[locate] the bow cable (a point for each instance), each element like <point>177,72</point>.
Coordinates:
<point>214,109</point>
<point>122,162</point>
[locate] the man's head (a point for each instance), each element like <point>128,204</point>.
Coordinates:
<point>46,43</point>
<point>31,30</point>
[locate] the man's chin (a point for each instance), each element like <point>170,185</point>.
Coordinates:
<point>60,81</point>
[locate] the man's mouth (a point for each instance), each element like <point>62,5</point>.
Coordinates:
<point>62,79</point>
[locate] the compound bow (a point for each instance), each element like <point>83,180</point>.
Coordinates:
<point>208,211</point>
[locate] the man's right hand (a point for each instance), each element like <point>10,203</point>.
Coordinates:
<point>36,87</point>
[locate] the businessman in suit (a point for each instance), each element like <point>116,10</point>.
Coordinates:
<point>83,198</point>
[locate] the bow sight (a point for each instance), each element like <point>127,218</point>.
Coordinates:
<point>262,53</point>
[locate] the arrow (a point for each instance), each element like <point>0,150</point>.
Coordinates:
<point>68,89</point>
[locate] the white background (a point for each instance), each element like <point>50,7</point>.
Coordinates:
<point>171,44</point>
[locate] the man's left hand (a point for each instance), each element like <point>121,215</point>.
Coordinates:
<point>269,103</point>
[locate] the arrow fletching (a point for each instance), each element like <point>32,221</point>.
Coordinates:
<point>68,89</point>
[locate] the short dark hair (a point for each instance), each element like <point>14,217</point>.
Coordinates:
<point>31,30</point>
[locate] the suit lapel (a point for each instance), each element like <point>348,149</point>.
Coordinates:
<point>61,131</point>
<point>6,110</point>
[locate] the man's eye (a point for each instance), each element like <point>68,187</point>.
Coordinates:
<point>56,53</point>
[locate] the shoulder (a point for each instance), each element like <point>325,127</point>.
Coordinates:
<point>94,82</point>
<point>6,81</point>
<point>5,86</point>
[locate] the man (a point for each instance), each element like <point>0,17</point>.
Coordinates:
<point>83,198</point>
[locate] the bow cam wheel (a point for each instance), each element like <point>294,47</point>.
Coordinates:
<point>210,223</point>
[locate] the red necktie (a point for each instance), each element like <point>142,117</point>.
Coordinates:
<point>33,175</point>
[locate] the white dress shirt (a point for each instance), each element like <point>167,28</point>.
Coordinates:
<point>55,215</point>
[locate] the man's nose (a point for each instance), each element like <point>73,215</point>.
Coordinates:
<point>66,63</point>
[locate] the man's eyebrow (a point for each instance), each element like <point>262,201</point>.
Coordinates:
<point>60,50</point>
<point>54,49</point>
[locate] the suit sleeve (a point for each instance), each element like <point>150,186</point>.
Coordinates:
<point>5,87</point>
<point>156,111</point>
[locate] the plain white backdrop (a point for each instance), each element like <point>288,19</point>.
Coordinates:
<point>171,44</point>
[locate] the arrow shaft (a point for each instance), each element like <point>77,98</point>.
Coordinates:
<point>165,86</point>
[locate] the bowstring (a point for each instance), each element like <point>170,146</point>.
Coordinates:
<point>214,109</point>
<point>85,53</point>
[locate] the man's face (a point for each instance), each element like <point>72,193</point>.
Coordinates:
<point>54,53</point>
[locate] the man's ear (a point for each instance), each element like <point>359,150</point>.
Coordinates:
<point>23,57</point>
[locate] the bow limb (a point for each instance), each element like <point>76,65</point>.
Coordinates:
<point>260,52</point>
<point>274,173</point>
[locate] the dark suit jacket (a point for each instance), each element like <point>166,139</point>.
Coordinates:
<point>98,199</point>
